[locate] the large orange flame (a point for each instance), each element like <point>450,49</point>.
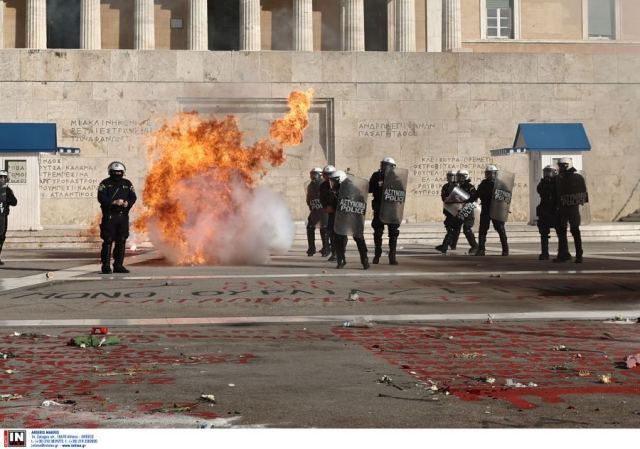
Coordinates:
<point>197,166</point>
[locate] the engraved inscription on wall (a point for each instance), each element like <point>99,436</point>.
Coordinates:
<point>17,169</point>
<point>104,130</point>
<point>389,129</point>
<point>430,172</point>
<point>68,177</point>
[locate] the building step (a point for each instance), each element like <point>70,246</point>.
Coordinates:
<point>410,233</point>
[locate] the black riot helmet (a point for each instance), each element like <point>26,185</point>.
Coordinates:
<point>549,172</point>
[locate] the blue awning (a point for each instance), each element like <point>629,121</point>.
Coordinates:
<point>28,137</point>
<point>557,137</point>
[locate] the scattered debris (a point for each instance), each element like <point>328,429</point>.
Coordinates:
<point>232,385</point>
<point>49,403</point>
<point>495,275</point>
<point>99,330</point>
<point>605,378</point>
<point>388,381</point>
<point>618,319</point>
<point>174,409</point>
<point>7,355</point>
<point>10,397</point>
<point>511,383</point>
<point>49,274</point>
<point>358,322</point>
<point>9,371</point>
<point>560,348</point>
<point>353,296</point>
<point>633,360</point>
<point>584,373</point>
<point>561,368</point>
<point>489,319</point>
<point>208,397</point>
<point>468,355</point>
<point>28,335</point>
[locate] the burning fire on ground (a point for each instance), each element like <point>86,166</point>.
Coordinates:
<point>201,202</point>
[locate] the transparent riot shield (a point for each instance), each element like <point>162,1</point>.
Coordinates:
<point>585,209</point>
<point>352,206</point>
<point>313,196</point>
<point>394,192</point>
<point>456,201</point>
<point>501,196</point>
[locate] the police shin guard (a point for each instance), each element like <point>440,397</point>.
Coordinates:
<point>503,241</point>
<point>455,235</point>
<point>118,257</point>
<point>377,241</point>
<point>393,242</point>
<point>340,243</point>
<point>482,240</point>
<point>544,247</point>
<point>311,241</point>
<point>468,233</point>
<point>577,240</point>
<point>105,256</point>
<point>324,252</point>
<point>1,245</point>
<point>446,241</point>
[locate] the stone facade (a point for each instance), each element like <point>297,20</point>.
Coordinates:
<point>430,111</point>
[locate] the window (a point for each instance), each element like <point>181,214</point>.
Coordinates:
<point>499,19</point>
<point>602,19</point>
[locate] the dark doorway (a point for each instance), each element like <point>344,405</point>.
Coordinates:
<point>224,24</point>
<point>63,23</point>
<point>375,25</point>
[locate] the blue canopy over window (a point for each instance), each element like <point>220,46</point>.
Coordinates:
<point>28,137</point>
<point>559,137</point>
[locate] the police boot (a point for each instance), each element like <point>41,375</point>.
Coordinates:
<point>118,257</point>
<point>377,241</point>
<point>1,245</point>
<point>340,244</point>
<point>563,248</point>
<point>362,249</point>
<point>105,257</point>
<point>311,240</point>
<point>482,239</point>
<point>324,252</point>
<point>577,240</point>
<point>445,243</point>
<point>503,242</point>
<point>544,247</point>
<point>393,242</point>
<point>468,233</point>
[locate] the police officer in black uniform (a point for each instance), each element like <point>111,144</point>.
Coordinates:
<point>375,187</point>
<point>116,197</point>
<point>325,200</point>
<point>572,193</point>
<point>7,199</point>
<point>338,177</point>
<point>451,236</point>
<point>317,216</point>
<point>462,178</point>
<point>485,193</point>
<point>547,209</point>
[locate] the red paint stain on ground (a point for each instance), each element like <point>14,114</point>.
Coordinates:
<point>458,358</point>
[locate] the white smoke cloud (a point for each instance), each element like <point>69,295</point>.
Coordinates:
<point>255,226</point>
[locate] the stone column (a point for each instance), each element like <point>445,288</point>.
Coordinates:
<point>353,31</point>
<point>405,25</point>
<point>198,25</point>
<point>303,26</point>
<point>145,34</point>
<point>90,28</point>
<point>434,25</point>
<point>250,25</point>
<point>452,35</point>
<point>1,23</point>
<point>36,24</point>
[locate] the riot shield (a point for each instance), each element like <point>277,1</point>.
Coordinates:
<point>456,201</point>
<point>501,196</point>
<point>313,196</point>
<point>352,206</point>
<point>394,192</point>
<point>572,191</point>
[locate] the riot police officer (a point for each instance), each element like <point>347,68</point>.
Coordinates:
<point>116,197</point>
<point>317,216</point>
<point>451,236</point>
<point>462,178</point>
<point>325,200</point>
<point>572,193</point>
<point>337,180</point>
<point>375,187</point>
<point>485,193</point>
<point>7,199</point>
<point>546,210</point>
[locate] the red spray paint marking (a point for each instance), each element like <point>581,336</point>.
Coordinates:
<point>520,352</point>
